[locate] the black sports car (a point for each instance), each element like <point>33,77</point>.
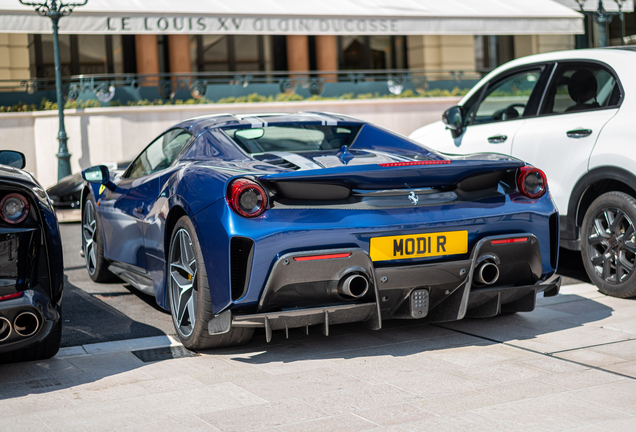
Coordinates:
<point>66,194</point>
<point>31,267</point>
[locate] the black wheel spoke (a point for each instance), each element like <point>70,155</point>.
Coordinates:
<point>600,229</point>
<point>607,269</point>
<point>595,240</point>
<point>619,270</point>
<point>627,266</point>
<point>615,226</point>
<point>630,247</point>
<point>599,260</point>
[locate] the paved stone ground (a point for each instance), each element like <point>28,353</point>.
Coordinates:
<point>569,365</point>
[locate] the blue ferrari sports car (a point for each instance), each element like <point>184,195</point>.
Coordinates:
<point>279,221</point>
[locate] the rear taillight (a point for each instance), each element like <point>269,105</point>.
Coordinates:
<point>247,198</point>
<point>532,182</point>
<point>14,208</point>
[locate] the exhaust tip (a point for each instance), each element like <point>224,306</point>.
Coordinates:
<point>5,329</point>
<point>26,324</point>
<point>354,285</point>
<point>487,273</point>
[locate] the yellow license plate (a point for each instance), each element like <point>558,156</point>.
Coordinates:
<point>418,245</point>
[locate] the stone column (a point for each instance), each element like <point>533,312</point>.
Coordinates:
<point>297,53</point>
<point>147,56</point>
<point>441,52</point>
<point>327,56</point>
<point>179,49</point>
<point>14,57</point>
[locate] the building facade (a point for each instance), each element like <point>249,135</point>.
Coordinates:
<point>109,37</point>
<point>106,37</point>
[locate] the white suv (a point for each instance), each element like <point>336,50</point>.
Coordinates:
<point>571,114</point>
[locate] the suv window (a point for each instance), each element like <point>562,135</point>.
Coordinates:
<point>581,87</point>
<point>508,98</point>
<point>159,154</point>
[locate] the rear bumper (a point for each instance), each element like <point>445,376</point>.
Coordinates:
<point>32,301</point>
<point>299,293</point>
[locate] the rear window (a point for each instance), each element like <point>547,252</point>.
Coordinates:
<point>292,138</point>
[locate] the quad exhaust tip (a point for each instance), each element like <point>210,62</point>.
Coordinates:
<point>354,285</point>
<point>26,324</point>
<point>487,273</point>
<point>5,329</point>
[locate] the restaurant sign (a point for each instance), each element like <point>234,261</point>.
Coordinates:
<point>79,23</point>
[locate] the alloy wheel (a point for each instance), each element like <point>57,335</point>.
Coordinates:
<point>183,288</point>
<point>611,244</point>
<point>89,226</point>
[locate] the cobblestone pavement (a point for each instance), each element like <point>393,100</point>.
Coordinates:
<point>569,365</point>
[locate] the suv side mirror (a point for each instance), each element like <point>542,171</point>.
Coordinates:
<point>12,158</point>
<point>454,120</point>
<point>96,174</point>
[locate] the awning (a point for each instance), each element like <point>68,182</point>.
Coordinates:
<point>282,17</point>
<point>592,5</point>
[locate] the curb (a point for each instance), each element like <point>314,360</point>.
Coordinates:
<point>118,346</point>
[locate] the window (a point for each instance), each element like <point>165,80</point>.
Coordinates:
<point>160,154</point>
<point>372,52</point>
<point>508,98</point>
<point>292,138</point>
<point>581,87</point>
<point>225,53</point>
<point>79,54</point>
<point>493,51</point>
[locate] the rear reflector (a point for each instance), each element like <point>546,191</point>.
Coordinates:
<point>10,296</point>
<point>322,257</point>
<point>403,164</point>
<point>512,240</point>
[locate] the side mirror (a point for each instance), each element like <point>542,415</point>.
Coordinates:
<point>453,119</point>
<point>96,174</point>
<point>12,158</point>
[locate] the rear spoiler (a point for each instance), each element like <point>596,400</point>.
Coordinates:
<point>394,176</point>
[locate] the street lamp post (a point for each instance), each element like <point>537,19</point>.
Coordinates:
<point>55,9</point>
<point>603,18</point>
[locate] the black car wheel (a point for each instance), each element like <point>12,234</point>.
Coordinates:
<point>189,293</point>
<point>92,244</point>
<point>608,244</point>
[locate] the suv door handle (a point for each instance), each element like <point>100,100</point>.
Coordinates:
<point>497,139</point>
<point>579,133</point>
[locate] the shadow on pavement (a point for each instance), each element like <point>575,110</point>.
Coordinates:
<point>401,338</point>
<point>91,320</point>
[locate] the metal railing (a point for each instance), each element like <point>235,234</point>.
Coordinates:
<point>123,89</point>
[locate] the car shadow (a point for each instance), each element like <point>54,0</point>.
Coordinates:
<point>400,338</point>
<point>88,320</point>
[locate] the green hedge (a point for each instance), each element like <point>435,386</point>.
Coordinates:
<point>252,98</point>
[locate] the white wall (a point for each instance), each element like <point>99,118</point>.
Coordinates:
<point>98,135</point>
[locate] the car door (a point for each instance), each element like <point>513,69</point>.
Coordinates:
<point>127,206</point>
<point>580,99</point>
<point>500,111</point>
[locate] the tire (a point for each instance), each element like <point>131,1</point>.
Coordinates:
<point>189,293</point>
<point>46,348</point>
<point>608,244</point>
<point>93,244</point>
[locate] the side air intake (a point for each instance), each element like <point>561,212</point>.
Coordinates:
<point>241,249</point>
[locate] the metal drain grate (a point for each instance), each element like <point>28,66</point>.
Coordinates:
<point>165,353</point>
